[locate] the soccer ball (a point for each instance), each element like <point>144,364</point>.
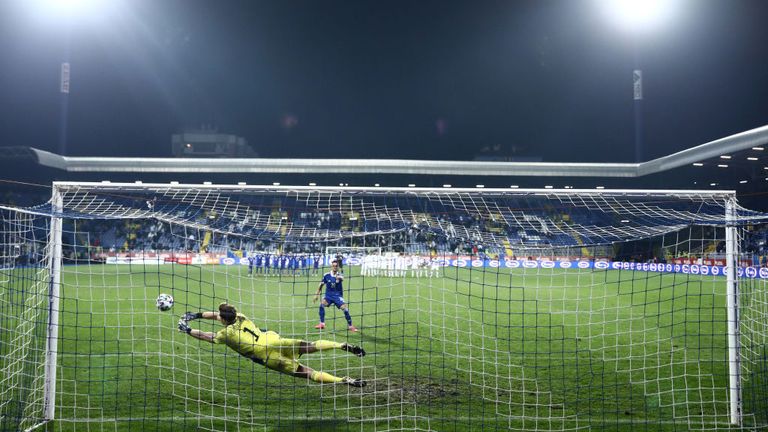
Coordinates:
<point>164,302</point>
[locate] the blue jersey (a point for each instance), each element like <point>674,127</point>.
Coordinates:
<point>332,287</point>
<point>250,261</point>
<point>258,260</point>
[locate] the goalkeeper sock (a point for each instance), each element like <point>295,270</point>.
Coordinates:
<point>326,345</point>
<point>324,377</point>
<point>322,314</point>
<point>348,317</point>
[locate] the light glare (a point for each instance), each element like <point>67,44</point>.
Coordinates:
<point>70,9</point>
<point>638,15</point>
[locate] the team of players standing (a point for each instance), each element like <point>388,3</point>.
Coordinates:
<point>370,265</point>
<point>276,264</point>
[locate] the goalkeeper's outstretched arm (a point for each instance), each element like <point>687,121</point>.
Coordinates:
<point>189,316</point>
<point>195,333</point>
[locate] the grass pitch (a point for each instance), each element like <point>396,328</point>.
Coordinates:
<point>473,349</point>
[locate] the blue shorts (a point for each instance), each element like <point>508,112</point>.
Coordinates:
<point>335,300</point>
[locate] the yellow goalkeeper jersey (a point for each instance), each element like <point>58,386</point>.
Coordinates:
<point>244,337</point>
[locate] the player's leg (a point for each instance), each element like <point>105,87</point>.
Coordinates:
<point>345,308</point>
<point>294,348</point>
<point>305,347</point>
<point>324,377</point>
<point>321,311</point>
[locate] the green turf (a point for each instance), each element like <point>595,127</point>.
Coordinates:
<point>472,350</point>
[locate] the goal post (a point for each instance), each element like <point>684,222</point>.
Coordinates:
<point>52,331</point>
<point>553,310</point>
<point>28,315</point>
<point>732,308</point>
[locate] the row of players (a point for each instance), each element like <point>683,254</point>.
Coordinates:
<point>283,264</point>
<point>371,265</point>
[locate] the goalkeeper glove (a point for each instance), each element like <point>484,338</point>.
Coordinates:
<point>189,316</point>
<point>184,326</point>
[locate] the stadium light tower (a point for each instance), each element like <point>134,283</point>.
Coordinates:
<point>638,18</point>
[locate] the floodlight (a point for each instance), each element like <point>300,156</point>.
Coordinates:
<point>638,15</point>
<point>69,9</point>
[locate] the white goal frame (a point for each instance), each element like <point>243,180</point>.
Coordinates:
<point>55,260</point>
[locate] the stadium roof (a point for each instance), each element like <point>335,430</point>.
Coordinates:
<point>725,147</point>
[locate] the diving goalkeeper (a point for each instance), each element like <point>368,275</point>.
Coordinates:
<point>267,347</point>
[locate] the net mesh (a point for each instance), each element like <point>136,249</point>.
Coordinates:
<point>493,310</point>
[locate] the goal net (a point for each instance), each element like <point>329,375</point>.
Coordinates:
<point>537,310</point>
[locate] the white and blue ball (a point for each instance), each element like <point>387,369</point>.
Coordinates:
<point>164,302</point>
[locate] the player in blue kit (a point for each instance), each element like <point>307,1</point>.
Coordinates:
<point>259,258</point>
<point>251,260</point>
<point>283,262</point>
<point>316,265</point>
<point>267,259</point>
<point>333,281</point>
<point>293,265</point>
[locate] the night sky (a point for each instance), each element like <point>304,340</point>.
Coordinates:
<point>383,79</point>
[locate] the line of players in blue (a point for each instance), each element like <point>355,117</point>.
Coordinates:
<point>277,264</point>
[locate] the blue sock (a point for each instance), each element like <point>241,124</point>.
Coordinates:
<point>322,314</point>
<point>348,317</point>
